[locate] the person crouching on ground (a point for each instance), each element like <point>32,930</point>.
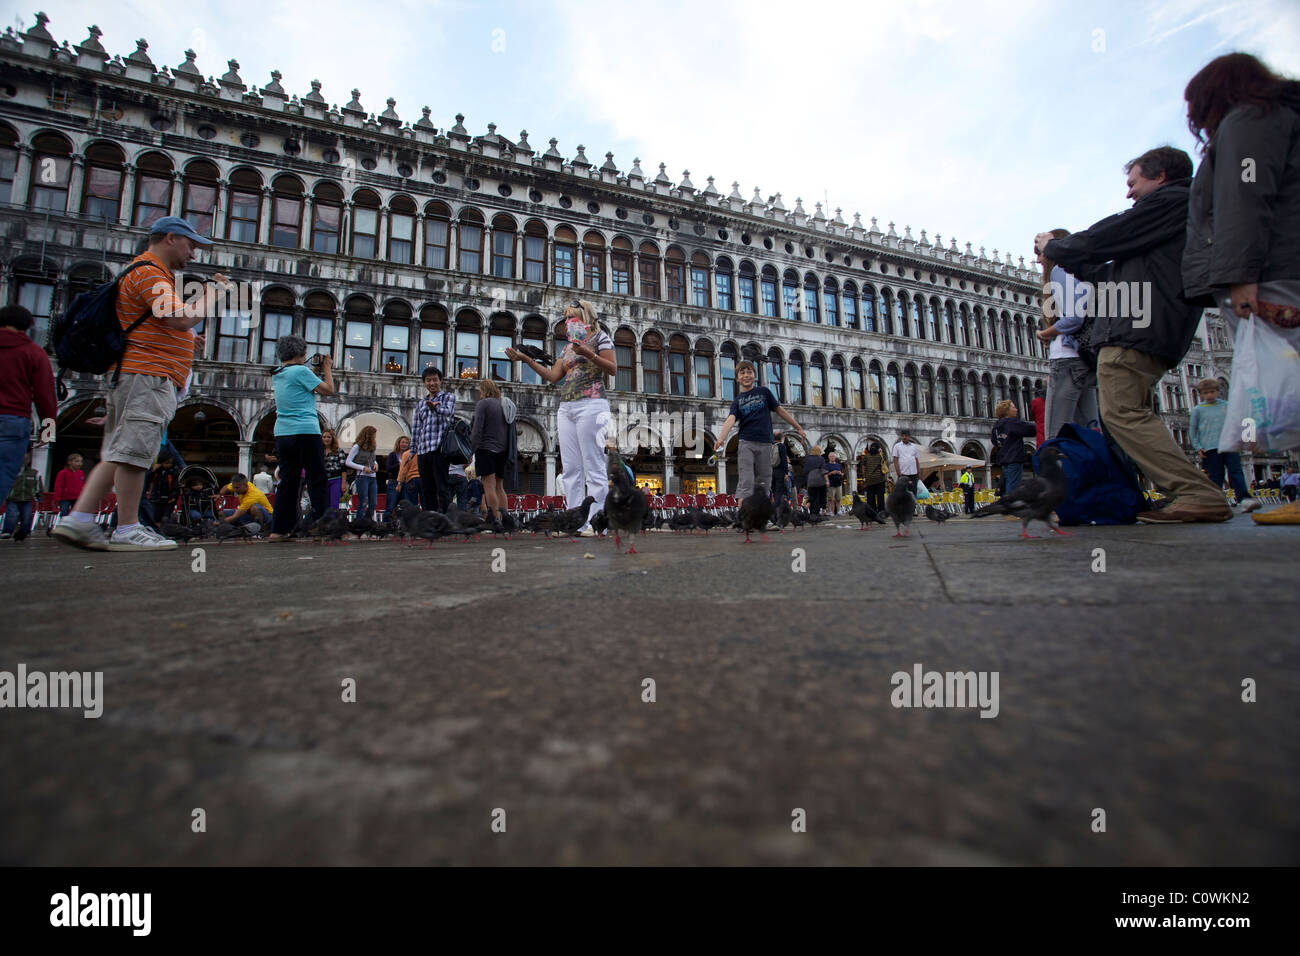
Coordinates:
<point>298,443</point>
<point>253,505</point>
<point>583,417</point>
<point>752,408</point>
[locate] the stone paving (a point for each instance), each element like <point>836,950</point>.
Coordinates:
<point>516,696</point>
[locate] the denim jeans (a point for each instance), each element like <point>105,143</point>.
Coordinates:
<point>391,497</point>
<point>18,519</point>
<point>1216,462</point>
<point>255,513</point>
<point>411,491</point>
<point>366,488</point>
<point>1011,475</point>
<point>15,433</point>
<point>459,486</point>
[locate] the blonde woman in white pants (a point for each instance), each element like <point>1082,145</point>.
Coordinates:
<point>583,417</point>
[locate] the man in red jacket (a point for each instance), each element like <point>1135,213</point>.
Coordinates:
<point>1037,411</point>
<point>25,377</point>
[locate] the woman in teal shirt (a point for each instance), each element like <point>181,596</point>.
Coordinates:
<point>298,443</point>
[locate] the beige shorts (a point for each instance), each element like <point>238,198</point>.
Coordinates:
<point>139,409</point>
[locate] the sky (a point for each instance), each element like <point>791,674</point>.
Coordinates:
<point>980,120</point>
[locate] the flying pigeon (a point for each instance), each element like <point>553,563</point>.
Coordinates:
<point>625,505</point>
<point>755,512</point>
<point>901,507</point>
<point>1036,498</point>
<point>536,354</point>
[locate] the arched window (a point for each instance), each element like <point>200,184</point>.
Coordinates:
<point>503,247</point>
<point>1006,333</point>
<point>437,227</point>
<point>796,378</point>
<point>593,262</point>
<point>401,230</point>
<point>469,243</point>
<point>620,266</point>
<point>927,391</point>
<point>810,299</point>
<point>652,370</point>
<point>433,338</point>
<point>977,326</point>
<point>767,290</point>
<point>700,281</point>
<point>919,316</point>
<point>277,320</point>
<point>837,382</point>
<point>971,393</point>
<point>910,388</point>
<point>986,389</point>
<point>51,167</point>
<point>747,288</point>
<point>678,349</point>
<point>9,164</point>
<point>965,326</point>
<point>723,278</point>
<point>727,363</point>
<point>153,189</point>
<point>625,358</point>
<point>245,205</point>
<point>933,313</point>
<point>675,274</point>
<point>1020,335</point>
<point>868,308</point>
<point>534,251</point>
<point>534,334</point>
<point>790,295</point>
<point>35,287</point>
<point>887,311</point>
<point>775,381</point>
<point>468,334</point>
<point>286,212</point>
<point>949,323</point>
<point>856,397</point>
<point>326,217</point>
<point>817,380</point>
<point>318,324</point>
<point>500,338</point>
<point>901,315</point>
<point>891,387</point>
<point>395,338</point>
<point>358,333</point>
<point>648,259</point>
<point>831,296</point>
<point>199,200</point>
<point>101,196</point>
<point>566,257</point>
<point>850,305</point>
<point>233,329</point>
<point>704,368</point>
<point>875,387</point>
<point>365,224</point>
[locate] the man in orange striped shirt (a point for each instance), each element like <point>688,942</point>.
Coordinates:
<point>156,363</point>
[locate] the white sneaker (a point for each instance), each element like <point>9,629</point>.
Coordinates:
<point>141,539</point>
<point>1247,505</point>
<point>81,534</point>
<point>586,531</point>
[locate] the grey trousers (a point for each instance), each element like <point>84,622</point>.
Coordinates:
<point>754,466</point>
<point>1071,396</point>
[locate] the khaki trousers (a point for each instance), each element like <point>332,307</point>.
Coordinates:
<point>1125,378</point>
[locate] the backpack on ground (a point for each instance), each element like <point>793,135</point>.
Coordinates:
<point>87,337</point>
<point>1101,489</point>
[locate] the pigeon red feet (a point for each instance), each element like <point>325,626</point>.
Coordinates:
<point>763,536</point>
<point>1027,536</point>
<point>631,550</point>
<point>1063,534</point>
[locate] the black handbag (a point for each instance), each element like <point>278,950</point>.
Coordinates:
<point>1086,342</point>
<point>455,446</point>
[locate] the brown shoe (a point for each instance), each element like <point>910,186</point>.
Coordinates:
<point>1187,513</point>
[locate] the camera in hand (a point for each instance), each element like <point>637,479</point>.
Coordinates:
<point>317,362</point>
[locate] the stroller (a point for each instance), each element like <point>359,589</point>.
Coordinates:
<point>196,502</point>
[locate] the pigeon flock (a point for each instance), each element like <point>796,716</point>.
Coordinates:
<point>627,513</point>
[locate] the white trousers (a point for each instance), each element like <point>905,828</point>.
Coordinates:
<point>582,424</point>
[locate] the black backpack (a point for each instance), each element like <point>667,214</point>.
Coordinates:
<point>88,337</point>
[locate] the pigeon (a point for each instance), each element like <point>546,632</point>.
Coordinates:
<point>817,518</point>
<point>681,521</point>
<point>506,523</point>
<point>568,522</point>
<point>901,507</point>
<point>466,522</point>
<point>180,532</point>
<point>1036,497</point>
<point>536,354</point>
<point>784,516</point>
<point>252,529</point>
<point>625,505</point>
<point>332,526</point>
<point>599,523</point>
<point>755,511</point>
<point>935,515</point>
<point>863,511</point>
<point>425,524</point>
<point>362,526</point>
<point>224,531</point>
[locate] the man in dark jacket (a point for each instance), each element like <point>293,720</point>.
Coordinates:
<point>1142,324</point>
<point>25,377</point>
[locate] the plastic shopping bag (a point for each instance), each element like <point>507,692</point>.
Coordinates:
<point>1264,393</point>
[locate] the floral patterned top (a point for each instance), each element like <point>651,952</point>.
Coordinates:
<point>584,379</point>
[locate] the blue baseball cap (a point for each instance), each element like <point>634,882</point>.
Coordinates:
<point>175,225</point>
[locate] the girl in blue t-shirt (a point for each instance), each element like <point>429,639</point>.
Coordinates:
<point>298,443</point>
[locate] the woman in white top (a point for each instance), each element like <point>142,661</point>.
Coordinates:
<point>1072,383</point>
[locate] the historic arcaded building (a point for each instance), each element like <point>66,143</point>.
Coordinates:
<point>394,245</point>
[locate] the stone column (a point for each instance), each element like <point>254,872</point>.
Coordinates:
<point>218,209</point>
<point>76,177</point>
<point>178,192</point>
<point>550,473</point>
<point>722,473</point>
<point>128,195</point>
<point>634,280</point>
<point>22,175</point>
<point>264,220</point>
<point>381,240</point>
<point>245,457</point>
<point>305,225</point>
<point>417,251</point>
